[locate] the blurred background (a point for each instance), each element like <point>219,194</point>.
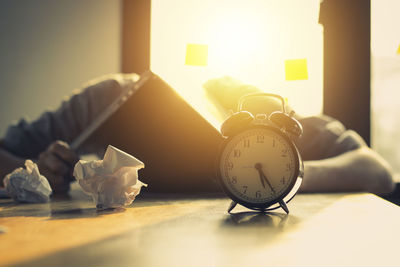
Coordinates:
<point>251,41</point>
<point>48,48</point>
<point>338,57</point>
<point>385,80</point>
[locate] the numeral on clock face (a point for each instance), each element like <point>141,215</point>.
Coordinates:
<point>288,167</point>
<point>245,189</point>
<point>234,180</point>
<point>236,153</point>
<point>246,142</point>
<point>230,165</point>
<point>257,147</point>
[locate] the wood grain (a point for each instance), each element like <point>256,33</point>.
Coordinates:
<point>321,230</point>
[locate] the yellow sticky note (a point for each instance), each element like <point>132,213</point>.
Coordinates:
<point>196,55</point>
<point>296,69</point>
<point>398,50</point>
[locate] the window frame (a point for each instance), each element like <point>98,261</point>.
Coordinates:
<point>346,63</point>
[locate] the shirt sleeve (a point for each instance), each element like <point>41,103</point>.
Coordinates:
<point>28,140</point>
<point>325,137</point>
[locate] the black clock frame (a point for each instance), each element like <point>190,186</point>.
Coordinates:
<point>266,205</point>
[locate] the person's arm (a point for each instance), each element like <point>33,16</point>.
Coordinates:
<point>339,160</point>
<point>39,140</point>
<point>8,162</point>
<point>358,170</point>
<point>55,163</point>
<point>336,159</point>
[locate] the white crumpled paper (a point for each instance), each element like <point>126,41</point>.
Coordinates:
<point>28,185</point>
<point>112,182</point>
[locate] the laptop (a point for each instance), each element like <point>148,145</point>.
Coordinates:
<point>152,122</point>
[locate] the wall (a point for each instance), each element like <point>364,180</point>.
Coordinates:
<point>385,71</point>
<point>48,48</point>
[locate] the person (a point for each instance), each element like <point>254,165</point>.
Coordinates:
<point>335,159</point>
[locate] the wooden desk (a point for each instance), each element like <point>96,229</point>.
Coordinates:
<point>321,230</point>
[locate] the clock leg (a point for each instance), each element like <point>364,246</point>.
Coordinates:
<point>283,206</point>
<point>232,206</point>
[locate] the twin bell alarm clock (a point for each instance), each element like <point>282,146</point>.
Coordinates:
<point>259,166</point>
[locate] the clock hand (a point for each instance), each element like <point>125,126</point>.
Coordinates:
<point>261,179</point>
<point>258,166</point>
<point>265,178</point>
<point>260,173</point>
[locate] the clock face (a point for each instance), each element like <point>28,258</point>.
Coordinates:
<point>258,166</point>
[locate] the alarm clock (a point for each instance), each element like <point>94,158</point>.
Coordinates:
<point>259,166</point>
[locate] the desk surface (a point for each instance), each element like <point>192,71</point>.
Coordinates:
<point>321,230</point>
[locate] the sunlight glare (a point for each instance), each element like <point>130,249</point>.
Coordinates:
<point>247,40</point>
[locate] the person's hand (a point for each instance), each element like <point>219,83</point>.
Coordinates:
<point>56,164</point>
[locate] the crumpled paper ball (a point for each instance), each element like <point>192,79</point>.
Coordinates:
<point>28,185</point>
<point>112,182</point>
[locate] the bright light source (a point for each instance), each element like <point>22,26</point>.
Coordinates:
<point>235,41</point>
<point>248,40</point>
